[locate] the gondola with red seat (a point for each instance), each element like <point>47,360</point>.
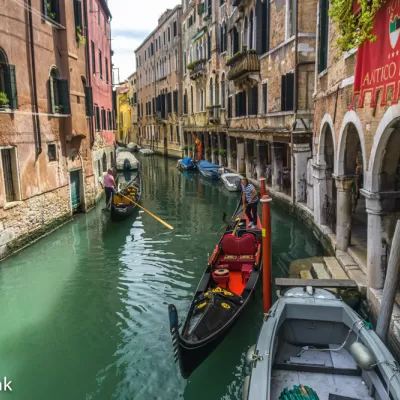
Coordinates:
<point>224,291</point>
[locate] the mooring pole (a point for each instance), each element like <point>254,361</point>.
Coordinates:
<point>262,187</point>
<point>390,288</point>
<point>267,252</point>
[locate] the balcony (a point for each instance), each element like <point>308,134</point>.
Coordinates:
<point>244,69</point>
<point>198,69</point>
<point>213,114</point>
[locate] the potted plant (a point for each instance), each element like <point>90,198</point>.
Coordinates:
<point>3,100</point>
<point>208,151</point>
<point>50,13</point>
<point>59,109</point>
<point>79,36</point>
<point>216,151</point>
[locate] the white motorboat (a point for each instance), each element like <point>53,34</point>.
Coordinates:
<point>126,161</point>
<point>232,181</point>
<point>146,152</point>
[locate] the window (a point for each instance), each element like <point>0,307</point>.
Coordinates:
<point>175,30</point>
<point>235,41</point>
<point>59,93</point>
<point>176,61</point>
<point>88,98</point>
<point>109,126</point>
<point>104,162</point>
<point>78,19</point>
<point>10,174</point>
<point>253,100</point>
<point>287,95</point>
<point>100,64</point>
<point>105,25</point>
<point>164,39</point>
<point>185,103</point>
<point>178,136</point>
<point>230,107</point>
<point>211,92</point>
<point>264,98</point>
<point>103,119</point>
<point>209,39</point>
<point>191,99</point>
<point>323,35</point>
<point>8,83</point>
<point>51,10</point>
<point>251,31</point>
<point>169,34</point>
<point>171,134</point>
<point>93,59</point>
<point>98,14</point>
<point>169,102</point>
<point>209,7</point>
<point>97,115</point>
<point>106,65</point>
<point>190,22</point>
<point>263,26</point>
<point>156,45</point>
<point>52,152</point>
<point>223,94</point>
<point>175,98</point>
<point>240,100</point>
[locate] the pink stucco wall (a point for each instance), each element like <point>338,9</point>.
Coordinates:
<point>102,91</point>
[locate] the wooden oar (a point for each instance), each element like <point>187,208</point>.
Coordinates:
<point>148,212</point>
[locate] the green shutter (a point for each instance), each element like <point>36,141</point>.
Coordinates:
<point>63,95</point>
<point>11,86</point>
<point>323,35</point>
<point>89,101</point>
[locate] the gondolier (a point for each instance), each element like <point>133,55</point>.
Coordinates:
<point>250,200</point>
<point>109,185</point>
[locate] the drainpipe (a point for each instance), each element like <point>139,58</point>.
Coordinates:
<point>35,96</point>
<point>88,72</point>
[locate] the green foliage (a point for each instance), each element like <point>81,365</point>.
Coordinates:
<point>59,108</point>
<point>79,36</point>
<point>216,152</point>
<point>3,99</point>
<point>186,147</point>
<point>234,58</point>
<point>193,64</point>
<point>213,106</point>
<point>354,29</point>
<point>50,14</point>
<point>222,153</point>
<point>190,148</point>
<point>208,151</point>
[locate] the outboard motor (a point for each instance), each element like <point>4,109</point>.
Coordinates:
<point>127,165</point>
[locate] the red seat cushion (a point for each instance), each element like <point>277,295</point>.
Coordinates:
<point>236,246</point>
<point>235,262</point>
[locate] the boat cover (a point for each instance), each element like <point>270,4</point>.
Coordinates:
<point>207,165</point>
<point>187,161</point>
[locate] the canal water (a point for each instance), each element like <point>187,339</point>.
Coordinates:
<point>84,311</point>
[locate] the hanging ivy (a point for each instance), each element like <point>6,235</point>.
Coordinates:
<point>354,29</point>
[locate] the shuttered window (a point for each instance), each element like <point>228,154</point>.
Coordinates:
<point>63,95</point>
<point>287,94</point>
<point>253,100</point>
<point>185,103</point>
<point>10,85</point>
<point>240,100</point>
<point>262,26</point>
<point>323,35</point>
<point>169,103</point>
<point>175,101</point>
<point>229,107</point>
<point>109,120</point>
<point>89,101</point>
<point>264,98</point>
<point>101,64</point>
<point>103,119</point>
<point>78,18</point>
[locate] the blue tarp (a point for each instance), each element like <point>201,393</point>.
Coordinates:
<point>187,161</point>
<point>207,165</point>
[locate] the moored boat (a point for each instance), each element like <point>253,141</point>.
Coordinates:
<point>209,170</point>
<point>126,161</point>
<point>312,343</point>
<point>146,152</point>
<point>186,164</point>
<point>222,295</point>
<point>232,181</point>
<point>121,206</point>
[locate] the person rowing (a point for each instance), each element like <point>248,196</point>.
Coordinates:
<point>250,202</point>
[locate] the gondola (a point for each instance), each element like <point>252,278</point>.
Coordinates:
<point>121,207</point>
<point>222,295</point>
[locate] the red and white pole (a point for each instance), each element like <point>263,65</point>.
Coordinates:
<point>266,252</point>
<point>262,187</point>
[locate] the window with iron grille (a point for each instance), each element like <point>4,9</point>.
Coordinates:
<point>52,152</point>
<point>10,178</point>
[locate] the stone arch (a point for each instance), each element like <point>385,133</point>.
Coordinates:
<point>327,128</point>
<point>383,153</point>
<point>350,132</point>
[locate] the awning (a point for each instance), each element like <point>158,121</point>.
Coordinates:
<point>199,34</point>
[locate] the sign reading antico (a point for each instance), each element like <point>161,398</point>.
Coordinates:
<point>378,63</point>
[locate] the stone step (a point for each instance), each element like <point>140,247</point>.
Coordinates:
<point>359,255</point>
<point>319,271</point>
<point>305,274</point>
<point>334,268</point>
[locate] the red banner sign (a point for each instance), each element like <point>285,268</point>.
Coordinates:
<point>378,63</point>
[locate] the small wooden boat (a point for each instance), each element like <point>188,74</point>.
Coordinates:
<point>209,170</point>
<point>126,161</point>
<point>186,164</point>
<point>221,297</point>
<point>312,342</point>
<point>232,182</point>
<point>121,207</point>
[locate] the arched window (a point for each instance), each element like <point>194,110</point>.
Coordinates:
<point>223,91</point>
<point>8,83</point>
<point>211,92</point>
<point>251,31</point>
<point>54,95</point>
<point>217,91</point>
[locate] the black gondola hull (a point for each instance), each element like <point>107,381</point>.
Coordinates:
<point>189,354</point>
<point>119,214</point>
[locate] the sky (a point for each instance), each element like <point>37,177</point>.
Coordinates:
<point>132,21</point>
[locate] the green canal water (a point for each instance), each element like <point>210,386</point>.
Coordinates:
<point>84,311</point>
